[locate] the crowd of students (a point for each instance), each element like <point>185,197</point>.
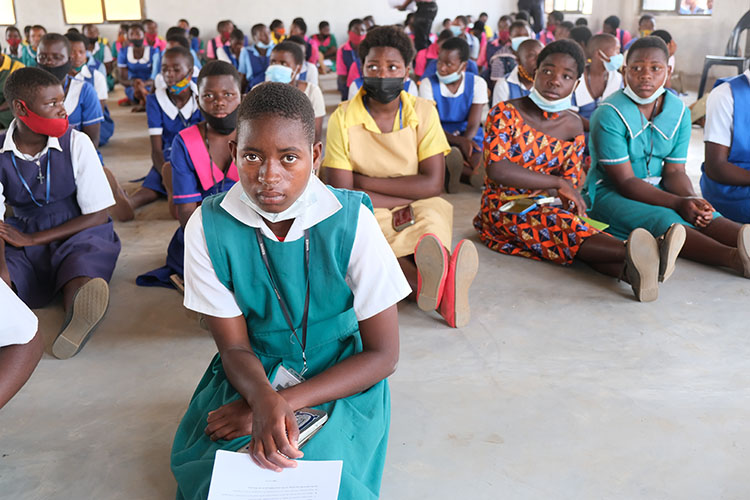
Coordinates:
<point>579,158</point>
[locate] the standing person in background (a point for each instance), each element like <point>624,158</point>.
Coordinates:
<point>612,26</point>
<point>535,8</point>
<point>423,19</point>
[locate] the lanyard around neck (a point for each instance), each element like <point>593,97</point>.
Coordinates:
<point>26,185</point>
<point>400,113</point>
<point>280,298</point>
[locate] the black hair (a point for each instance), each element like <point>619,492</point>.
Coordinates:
<point>446,20</point>
<point>237,34</point>
<point>148,21</point>
<point>648,42</point>
<point>353,23</point>
<point>567,25</point>
<point>256,28</point>
<point>582,21</point>
<point>557,16</point>
<point>24,84</point>
<point>483,14</point>
<point>174,30</point>
<point>181,51</point>
<point>77,38</point>
<point>647,17</point>
<point>184,21</point>
<point>84,26</point>
<point>56,38</point>
<point>300,23</point>
<point>180,39</point>
<point>278,99</point>
<point>519,24</point>
<point>388,36</point>
<point>463,19</point>
<point>195,32</point>
<point>292,48</point>
<point>26,29</point>
<point>581,34</point>
<point>613,21</point>
<point>458,44</point>
<point>222,23</point>
<point>73,30</point>
<point>506,17</point>
<point>565,46</point>
<point>300,42</point>
<point>368,18</point>
<point>219,68</point>
<point>124,26</point>
<point>664,35</point>
<point>409,18</point>
<point>12,28</point>
<point>38,27</point>
<point>478,29</point>
<point>445,35</point>
<point>522,16</point>
<point>275,24</point>
<point>323,24</point>
<point>136,26</point>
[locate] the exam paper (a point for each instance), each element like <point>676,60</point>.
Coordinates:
<point>236,477</point>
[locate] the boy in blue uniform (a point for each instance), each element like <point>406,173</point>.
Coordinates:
<point>231,53</point>
<point>254,58</point>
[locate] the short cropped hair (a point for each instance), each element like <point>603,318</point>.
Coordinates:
<point>174,30</point>
<point>557,16</point>
<point>136,26</point>
<point>567,25</point>
<point>24,84</point>
<point>445,35</point>
<point>300,23</point>
<point>648,42</point>
<point>458,44</point>
<point>56,38</point>
<point>581,34</point>
<point>292,48</point>
<point>388,36</point>
<point>646,17</point>
<point>664,35</point>
<point>276,23</point>
<point>323,24</point>
<point>582,21</point>
<point>237,34</point>
<point>278,99</point>
<point>219,68</point>
<point>181,51</point>
<point>195,32</point>
<point>353,23</point>
<point>565,46</point>
<point>256,29</point>
<point>613,21</point>
<point>77,38</point>
<point>223,23</point>
<point>181,40</point>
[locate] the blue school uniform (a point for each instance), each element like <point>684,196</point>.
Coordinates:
<point>225,54</point>
<point>734,201</point>
<point>81,103</point>
<point>137,68</point>
<point>156,68</point>
<point>107,127</point>
<point>165,119</point>
<point>431,68</point>
<point>253,65</point>
<point>39,272</point>
<point>454,111</point>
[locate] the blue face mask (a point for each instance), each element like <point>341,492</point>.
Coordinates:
<point>457,30</point>
<point>645,100</point>
<point>550,106</point>
<point>516,42</point>
<point>448,79</point>
<point>278,73</point>
<point>262,45</point>
<point>614,63</point>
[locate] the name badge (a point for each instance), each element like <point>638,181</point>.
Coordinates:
<point>654,181</point>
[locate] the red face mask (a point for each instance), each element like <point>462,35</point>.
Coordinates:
<point>504,36</point>
<point>151,37</point>
<point>14,42</point>
<point>356,38</point>
<point>53,127</point>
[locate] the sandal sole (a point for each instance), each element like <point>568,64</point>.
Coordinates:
<point>89,306</point>
<point>467,266</point>
<point>743,247</point>
<point>670,249</point>
<point>454,163</point>
<point>643,253</point>
<point>430,259</point>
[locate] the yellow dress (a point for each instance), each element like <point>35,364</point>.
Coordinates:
<point>355,143</point>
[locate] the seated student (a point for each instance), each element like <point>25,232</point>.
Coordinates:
<point>285,66</point>
<point>327,238</point>
<point>460,98</point>
<point>672,48</point>
<point>172,41</point>
<point>254,58</point>
<point>136,63</point>
<point>224,28</point>
<point>28,52</point>
<point>478,31</point>
<point>547,35</point>
<point>501,59</point>
<point>646,26</point>
<point>231,53</point>
<point>60,237</point>
<point>390,145</point>
<point>7,66</point>
<point>425,56</point>
<point>484,17</point>
<point>725,181</point>
<point>410,86</point>
<point>80,72</point>
<point>520,81</point>
<point>13,41</point>
<point>196,44</point>
<point>299,29</point>
<point>200,163</point>
<point>534,144</point>
<point>582,35</point>
<point>327,46</point>
<point>460,29</point>
<point>601,78</point>
<point>278,32</point>
<point>612,26</point>
<point>639,145</point>
<point>169,110</point>
<point>121,41</point>
<point>348,64</point>
<point>431,67</point>
<point>309,71</point>
<point>582,21</point>
<point>100,50</point>
<point>151,31</point>
<point>563,30</point>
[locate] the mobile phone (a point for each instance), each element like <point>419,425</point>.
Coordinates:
<point>309,422</point>
<point>519,207</point>
<point>403,218</point>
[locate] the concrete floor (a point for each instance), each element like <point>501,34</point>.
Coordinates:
<point>562,386</point>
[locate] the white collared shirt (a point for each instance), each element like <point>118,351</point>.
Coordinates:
<point>374,275</point>
<point>169,108</point>
<point>583,95</point>
<point>719,126</point>
<point>19,324</point>
<point>100,81</point>
<point>108,57</point>
<point>480,90</point>
<point>159,82</point>
<point>501,92</point>
<point>92,188</point>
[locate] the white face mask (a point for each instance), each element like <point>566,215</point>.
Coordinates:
<point>646,100</point>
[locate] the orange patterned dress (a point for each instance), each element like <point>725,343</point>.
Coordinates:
<point>545,233</point>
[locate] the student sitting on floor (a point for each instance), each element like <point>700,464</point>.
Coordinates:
<point>646,26</point>
<point>460,29</point>
<point>460,97</point>
<point>611,26</point>
<point>200,163</point>
<point>725,182</point>
<point>173,41</point>
<point>100,50</point>
<point>426,56</point>
<point>390,145</point>
<point>285,65</point>
<point>60,237</point>
<point>151,34</point>
<point>136,64</point>
<point>257,258</point>
<point>601,78</point>
<point>121,41</point>
<point>169,110</point>
<point>639,145</point>
<point>547,35</point>
<point>309,71</point>
<point>7,66</point>
<point>224,28</point>
<point>13,43</point>
<point>28,57</point>
<point>672,48</point>
<point>254,58</point>
<point>348,64</point>
<point>327,45</point>
<point>534,144</point>
<point>501,58</point>
<point>521,79</point>
<point>231,53</point>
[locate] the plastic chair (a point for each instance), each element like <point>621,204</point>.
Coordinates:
<point>731,55</point>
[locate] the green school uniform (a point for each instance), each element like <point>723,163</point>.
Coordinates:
<point>620,133</point>
<point>8,66</point>
<point>28,56</point>
<point>357,428</point>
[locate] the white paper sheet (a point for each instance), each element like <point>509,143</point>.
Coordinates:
<point>236,477</point>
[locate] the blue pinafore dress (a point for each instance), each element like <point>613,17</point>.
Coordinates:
<point>454,111</point>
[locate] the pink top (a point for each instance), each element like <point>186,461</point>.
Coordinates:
<point>196,148</point>
<point>423,56</point>
<point>214,42</point>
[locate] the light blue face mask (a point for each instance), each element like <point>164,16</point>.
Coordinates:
<point>262,45</point>
<point>550,106</point>
<point>448,79</point>
<point>278,73</point>
<point>614,63</point>
<point>457,30</point>
<point>645,100</point>
<point>516,42</point>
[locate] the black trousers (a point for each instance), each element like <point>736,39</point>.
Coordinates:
<point>536,9</point>
<point>422,24</point>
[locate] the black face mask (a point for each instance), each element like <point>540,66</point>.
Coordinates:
<point>59,72</point>
<point>225,125</point>
<point>93,40</point>
<point>383,90</point>
<point>137,42</point>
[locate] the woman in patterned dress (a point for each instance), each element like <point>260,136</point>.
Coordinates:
<point>534,145</point>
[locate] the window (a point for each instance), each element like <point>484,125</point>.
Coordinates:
<point>98,11</point>
<point>7,13</point>
<point>682,7</point>
<point>573,6</point>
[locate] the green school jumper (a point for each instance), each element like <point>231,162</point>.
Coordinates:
<point>357,427</point>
